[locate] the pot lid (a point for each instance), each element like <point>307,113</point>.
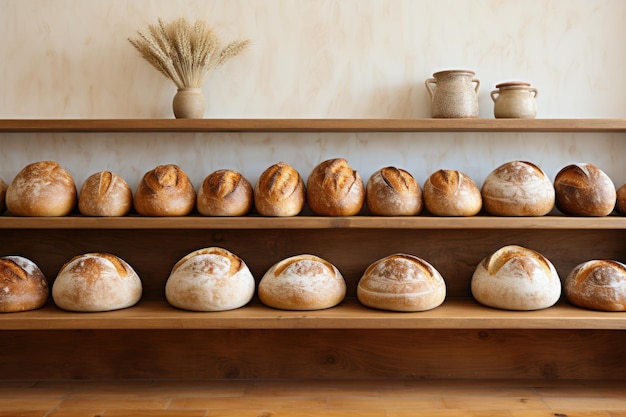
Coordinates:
<point>513,84</point>
<point>454,71</point>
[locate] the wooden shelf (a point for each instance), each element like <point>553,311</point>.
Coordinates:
<point>453,314</point>
<point>313,125</point>
<point>315,222</point>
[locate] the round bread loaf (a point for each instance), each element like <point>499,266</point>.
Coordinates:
<point>3,193</point>
<point>22,285</point>
<point>302,282</point>
<point>105,194</point>
<point>42,188</point>
<point>584,190</point>
<point>451,193</point>
<point>597,285</point>
<point>620,205</point>
<point>517,188</point>
<point>335,189</point>
<point>210,279</point>
<point>225,193</point>
<point>393,191</point>
<point>279,191</point>
<point>401,282</point>
<point>96,282</point>
<point>165,191</point>
<point>516,278</point>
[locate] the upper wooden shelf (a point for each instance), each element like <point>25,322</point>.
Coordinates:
<point>313,125</point>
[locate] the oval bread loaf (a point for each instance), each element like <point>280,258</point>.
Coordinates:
<point>22,285</point>
<point>279,191</point>
<point>584,190</point>
<point>335,189</point>
<point>302,282</point>
<point>392,191</point>
<point>451,193</point>
<point>3,193</point>
<point>597,285</point>
<point>620,205</point>
<point>105,194</point>
<point>401,282</point>
<point>210,279</point>
<point>165,191</point>
<point>225,192</point>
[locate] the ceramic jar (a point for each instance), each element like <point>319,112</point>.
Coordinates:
<point>453,93</point>
<point>189,103</point>
<point>514,99</point>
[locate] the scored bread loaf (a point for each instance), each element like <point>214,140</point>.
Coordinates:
<point>335,189</point>
<point>392,191</point>
<point>279,191</point>
<point>22,285</point>
<point>225,192</point>
<point>3,193</point>
<point>106,194</point>
<point>401,282</point>
<point>598,284</point>
<point>210,279</point>
<point>584,190</point>
<point>516,278</point>
<point>42,188</point>
<point>165,191</point>
<point>518,188</point>
<point>620,205</point>
<point>96,282</point>
<point>451,193</point>
<point>302,282</point>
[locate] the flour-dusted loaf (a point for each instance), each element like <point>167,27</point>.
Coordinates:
<point>225,192</point>
<point>210,279</point>
<point>449,192</point>
<point>302,282</point>
<point>165,191</point>
<point>620,205</point>
<point>3,193</point>
<point>42,188</point>
<point>598,284</point>
<point>584,190</point>
<point>23,286</point>
<point>392,191</point>
<point>105,194</point>
<point>96,282</point>
<point>279,191</point>
<point>401,282</point>
<point>335,189</point>
<point>516,278</point>
<point>518,188</point>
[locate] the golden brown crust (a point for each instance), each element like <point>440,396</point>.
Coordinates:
<point>335,189</point>
<point>584,190</point>
<point>42,188</point>
<point>620,205</point>
<point>597,285</point>
<point>451,193</point>
<point>279,191</point>
<point>225,193</point>
<point>165,191</point>
<point>392,191</point>
<point>236,264</point>
<point>105,194</point>
<point>3,193</point>
<point>22,285</point>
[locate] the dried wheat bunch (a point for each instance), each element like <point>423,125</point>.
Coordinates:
<point>185,53</point>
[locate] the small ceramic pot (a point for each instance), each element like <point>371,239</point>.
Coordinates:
<point>189,103</point>
<point>514,99</point>
<point>455,94</point>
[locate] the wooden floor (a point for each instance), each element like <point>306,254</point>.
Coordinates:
<point>313,398</point>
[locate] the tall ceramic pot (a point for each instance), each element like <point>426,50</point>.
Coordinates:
<point>453,94</point>
<point>189,103</point>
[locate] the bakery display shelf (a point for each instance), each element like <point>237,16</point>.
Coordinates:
<point>452,314</point>
<point>313,125</point>
<point>553,222</point>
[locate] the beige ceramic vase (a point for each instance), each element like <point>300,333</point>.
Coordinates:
<point>454,95</point>
<point>514,99</point>
<point>189,103</point>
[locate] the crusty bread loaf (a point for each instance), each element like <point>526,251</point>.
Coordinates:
<point>42,188</point>
<point>22,285</point>
<point>279,191</point>
<point>584,190</point>
<point>401,282</point>
<point>96,282</point>
<point>210,279</point>
<point>3,193</point>
<point>105,194</point>
<point>597,285</point>
<point>516,278</point>
<point>335,189</point>
<point>620,205</point>
<point>302,282</point>
<point>517,188</point>
<point>392,191</point>
<point>165,191</point>
<point>225,193</point>
<point>451,193</point>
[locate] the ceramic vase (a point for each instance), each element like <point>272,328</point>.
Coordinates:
<point>189,103</point>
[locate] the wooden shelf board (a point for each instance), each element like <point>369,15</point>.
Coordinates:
<point>453,314</point>
<point>313,125</point>
<point>314,222</point>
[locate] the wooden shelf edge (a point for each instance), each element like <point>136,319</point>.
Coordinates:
<point>314,125</point>
<point>453,314</point>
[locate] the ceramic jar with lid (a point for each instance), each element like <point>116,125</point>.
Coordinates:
<point>453,94</point>
<point>514,99</point>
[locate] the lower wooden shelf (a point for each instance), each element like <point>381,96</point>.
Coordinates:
<point>453,314</point>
